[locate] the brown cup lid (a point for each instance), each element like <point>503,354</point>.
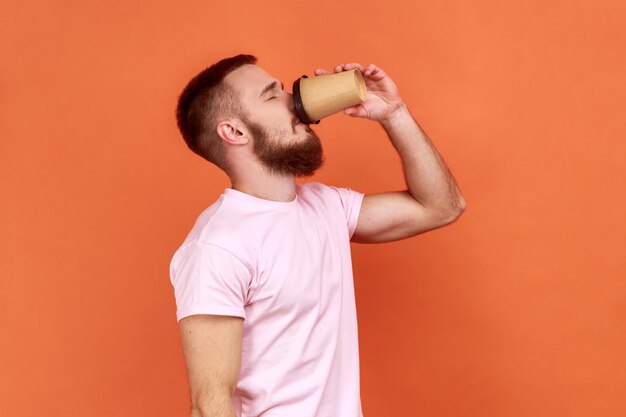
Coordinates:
<point>300,112</point>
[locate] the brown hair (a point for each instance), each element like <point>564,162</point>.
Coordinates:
<point>205,99</point>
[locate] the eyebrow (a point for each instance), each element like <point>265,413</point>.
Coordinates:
<point>270,86</point>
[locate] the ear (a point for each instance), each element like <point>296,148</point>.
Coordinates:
<point>232,131</point>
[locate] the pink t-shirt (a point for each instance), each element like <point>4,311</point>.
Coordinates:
<point>286,268</point>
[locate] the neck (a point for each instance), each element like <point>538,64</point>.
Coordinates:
<point>270,187</point>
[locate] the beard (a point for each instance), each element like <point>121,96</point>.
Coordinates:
<point>300,156</point>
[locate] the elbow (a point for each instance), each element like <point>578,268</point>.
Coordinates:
<point>460,205</point>
<point>456,208</point>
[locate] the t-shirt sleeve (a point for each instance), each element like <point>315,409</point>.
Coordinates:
<point>351,201</point>
<point>209,279</point>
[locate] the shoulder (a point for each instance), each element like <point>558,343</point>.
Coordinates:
<point>332,192</point>
<point>221,227</point>
<point>210,221</point>
<point>318,188</point>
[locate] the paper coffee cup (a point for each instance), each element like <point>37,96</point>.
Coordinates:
<point>326,94</point>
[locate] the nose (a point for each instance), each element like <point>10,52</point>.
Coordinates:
<point>292,103</point>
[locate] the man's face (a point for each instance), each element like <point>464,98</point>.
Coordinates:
<point>280,141</point>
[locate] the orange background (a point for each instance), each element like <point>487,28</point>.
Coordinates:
<point>515,309</point>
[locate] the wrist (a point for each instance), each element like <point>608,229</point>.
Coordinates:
<point>399,113</point>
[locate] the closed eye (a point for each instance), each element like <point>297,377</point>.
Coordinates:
<point>270,98</point>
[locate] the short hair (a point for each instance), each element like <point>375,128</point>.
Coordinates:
<point>205,100</point>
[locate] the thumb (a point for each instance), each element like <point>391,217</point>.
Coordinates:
<point>353,111</point>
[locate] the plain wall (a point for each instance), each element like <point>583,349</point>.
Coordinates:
<point>516,309</point>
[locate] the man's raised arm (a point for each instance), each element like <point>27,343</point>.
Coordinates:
<point>432,198</point>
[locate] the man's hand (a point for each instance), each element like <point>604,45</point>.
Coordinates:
<point>382,94</point>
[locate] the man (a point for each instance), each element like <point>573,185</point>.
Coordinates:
<point>263,282</point>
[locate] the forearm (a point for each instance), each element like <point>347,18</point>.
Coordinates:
<point>220,406</point>
<point>428,179</point>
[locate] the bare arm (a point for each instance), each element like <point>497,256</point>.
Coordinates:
<point>212,351</point>
<point>432,198</point>
<point>428,178</point>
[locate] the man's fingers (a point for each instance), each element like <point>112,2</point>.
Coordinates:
<point>342,67</point>
<point>320,71</point>
<point>349,66</point>
<point>370,69</point>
